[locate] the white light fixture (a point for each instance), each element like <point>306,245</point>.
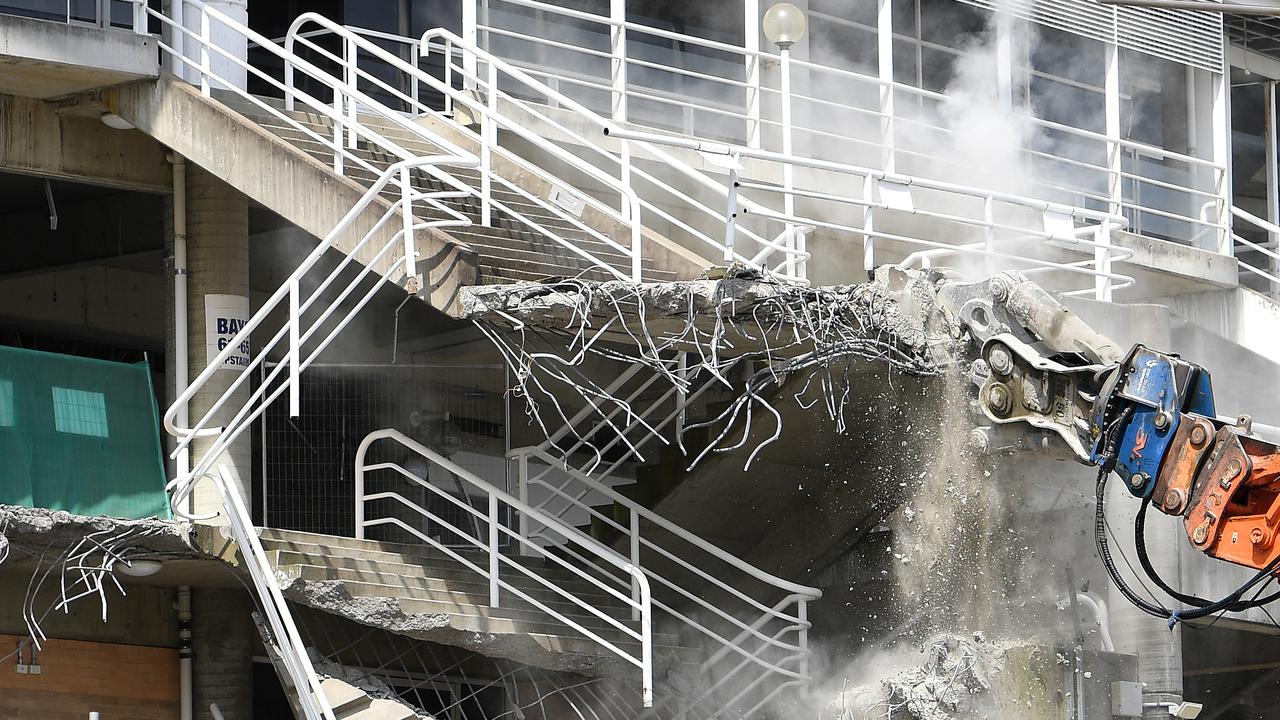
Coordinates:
<point>784,24</point>
<point>115,122</point>
<point>1188,710</point>
<point>140,568</point>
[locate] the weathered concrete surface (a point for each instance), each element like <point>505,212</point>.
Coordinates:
<point>37,138</point>
<point>285,179</point>
<point>666,253</point>
<point>900,306</point>
<point>45,59</point>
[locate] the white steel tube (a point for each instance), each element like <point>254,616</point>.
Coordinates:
<point>184,652</point>
<point>488,138</point>
<point>406,213</point>
<point>788,172</point>
<point>204,51</point>
<point>471,37</point>
<point>1222,158</point>
<point>493,550</point>
<point>522,491</point>
<point>618,58</point>
<point>181,340</point>
<point>1111,87</point>
<point>751,56</point>
<point>634,534</point>
<point>295,343</point>
<point>350,56</point>
<point>884,37</point>
<point>1273,190</point>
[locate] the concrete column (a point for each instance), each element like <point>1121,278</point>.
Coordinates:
<point>217,265</point>
<point>220,34</point>
<point>222,647</point>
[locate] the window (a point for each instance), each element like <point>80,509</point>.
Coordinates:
<point>6,403</point>
<point>80,412</point>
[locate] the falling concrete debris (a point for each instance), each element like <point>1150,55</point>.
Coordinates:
<point>548,331</point>
<point>954,680</point>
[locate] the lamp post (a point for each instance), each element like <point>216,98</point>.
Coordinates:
<point>784,24</point>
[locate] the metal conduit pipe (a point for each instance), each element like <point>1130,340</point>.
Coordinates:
<point>1100,615</point>
<point>184,652</point>
<point>180,378</point>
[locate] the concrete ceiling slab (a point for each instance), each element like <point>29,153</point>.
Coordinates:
<point>43,59</point>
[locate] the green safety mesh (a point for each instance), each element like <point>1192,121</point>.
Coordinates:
<point>80,435</point>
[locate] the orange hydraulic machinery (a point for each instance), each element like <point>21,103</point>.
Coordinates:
<point>1145,416</point>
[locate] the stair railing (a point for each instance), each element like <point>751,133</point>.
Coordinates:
<point>198,52</point>
<point>306,333</point>
<point>497,86</point>
<point>355,44</point>
<point>778,628</point>
<point>638,599</point>
<point>502,83</point>
<point>1270,252</point>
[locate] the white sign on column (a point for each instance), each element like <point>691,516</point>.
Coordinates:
<point>224,315</point>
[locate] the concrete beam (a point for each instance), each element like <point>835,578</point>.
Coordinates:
<point>95,302</point>
<point>283,178</point>
<point>36,139</point>
<point>43,59</point>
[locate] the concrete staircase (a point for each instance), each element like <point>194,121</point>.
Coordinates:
<point>351,703</point>
<point>422,593</point>
<point>509,250</point>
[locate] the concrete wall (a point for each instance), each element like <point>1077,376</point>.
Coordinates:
<point>222,647</point>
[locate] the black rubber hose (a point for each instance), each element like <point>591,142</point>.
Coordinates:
<point>1140,542</point>
<point>1104,552</point>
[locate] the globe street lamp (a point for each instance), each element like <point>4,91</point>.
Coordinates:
<point>784,24</point>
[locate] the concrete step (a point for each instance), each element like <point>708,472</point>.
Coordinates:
<point>460,584</point>
<point>512,267</point>
<point>352,703</point>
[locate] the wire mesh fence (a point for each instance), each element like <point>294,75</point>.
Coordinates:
<point>304,477</point>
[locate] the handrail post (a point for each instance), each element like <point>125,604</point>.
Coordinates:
<point>350,55</point>
<point>359,514</point>
<point>448,74</point>
<point>204,52</point>
<point>406,213</point>
<point>295,398</point>
<point>522,492</point>
<point>884,35</point>
<point>1102,262</point>
<point>868,223</point>
<point>488,138</point>
<point>751,49</point>
<point>493,550</point>
<point>802,638</point>
<point>618,58</point>
<point>1115,154</point>
<point>416,54</point>
<point>469,35</point>
<point>989,233</point>
<point>731,213</point>
<point>338,113</point>
<point>635,560</point>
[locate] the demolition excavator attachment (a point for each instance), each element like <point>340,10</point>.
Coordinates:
<point>1048,381</point>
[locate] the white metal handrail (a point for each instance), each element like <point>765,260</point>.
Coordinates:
<point>622,161</point>
<point>1100,225</point>
<point>297,303</point>
<point>291,340</point>
<point>736,105</point>
<point>640,599</point>
<point>1271,253</point>
<point>488,140</point>
<point>792,667</point>
<point>293,651</point>
<point>195,53</point>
